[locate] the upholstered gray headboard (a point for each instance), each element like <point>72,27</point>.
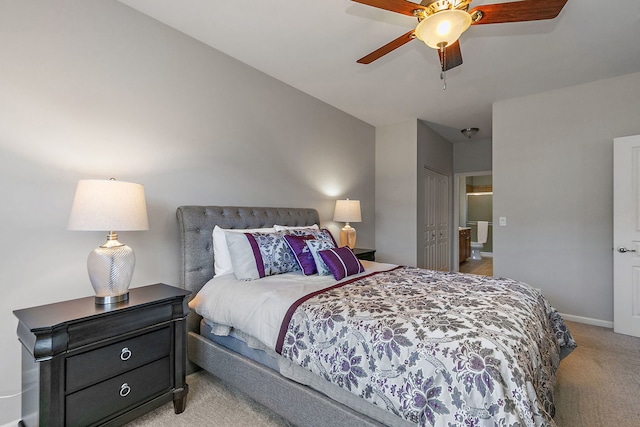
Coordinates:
<point>196,226</point>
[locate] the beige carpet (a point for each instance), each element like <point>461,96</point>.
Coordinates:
<point>210,403</point>
<point>599,383</point>
<point>598,386</point>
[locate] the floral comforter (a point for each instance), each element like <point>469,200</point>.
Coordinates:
<point>435,348</point>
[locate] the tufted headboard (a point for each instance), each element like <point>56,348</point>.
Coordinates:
<point>195,226</point>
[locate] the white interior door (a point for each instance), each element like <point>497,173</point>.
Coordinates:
<point>626,235</point>
<point>436,226</point>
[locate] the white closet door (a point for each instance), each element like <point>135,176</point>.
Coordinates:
<point>436,221</point>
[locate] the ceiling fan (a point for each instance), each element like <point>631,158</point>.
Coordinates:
<point>441,22</point>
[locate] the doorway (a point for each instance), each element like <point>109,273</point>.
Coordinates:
<point>473,194</point>
<point>626,236</point>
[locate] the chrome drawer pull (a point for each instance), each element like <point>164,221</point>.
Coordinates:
<point>125,390</point>
<point>125,354</point>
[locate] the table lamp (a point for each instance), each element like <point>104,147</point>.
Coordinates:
<point>347,211</point>
<point>108,205</point>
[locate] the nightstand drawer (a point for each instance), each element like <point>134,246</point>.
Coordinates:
<point>108,326</point>
<point>93,366</point>
<point>105,399</point>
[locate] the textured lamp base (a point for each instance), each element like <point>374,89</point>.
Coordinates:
<point>110,270</point>
<point>348,236</point>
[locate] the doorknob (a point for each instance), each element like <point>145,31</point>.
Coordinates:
<point>622,250</point>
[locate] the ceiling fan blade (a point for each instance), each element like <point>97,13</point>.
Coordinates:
<point>517,11</point>
<point>398,6</point>
<point>393,45</point>
<point>452,56</point>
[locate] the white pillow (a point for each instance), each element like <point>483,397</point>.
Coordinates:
<point>304,227</point>
<point>221,257</point>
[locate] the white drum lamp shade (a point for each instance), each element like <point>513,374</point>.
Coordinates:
<point>109,205</point>
<point>347,211</point>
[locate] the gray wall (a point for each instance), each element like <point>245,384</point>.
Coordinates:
<point>472,156</point>
<point>403,150</point>
<point>434,152</point>
<point>396,190</point>
<point>552,179</point>
<point>94,90</point>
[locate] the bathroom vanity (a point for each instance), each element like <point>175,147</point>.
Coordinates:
<point>464,243</point>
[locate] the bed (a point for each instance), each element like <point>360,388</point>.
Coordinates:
<point>424,365</point>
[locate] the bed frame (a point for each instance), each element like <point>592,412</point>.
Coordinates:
<point>298,404</point>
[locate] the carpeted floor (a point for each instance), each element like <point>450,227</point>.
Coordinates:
<point>599,383</point>
<point>598,386</point>
<point>210,403</point>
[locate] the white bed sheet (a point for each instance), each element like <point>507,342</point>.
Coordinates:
<point>257,307</point>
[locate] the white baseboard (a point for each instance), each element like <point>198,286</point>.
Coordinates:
<point>486,254</point>
<point>587,320</point>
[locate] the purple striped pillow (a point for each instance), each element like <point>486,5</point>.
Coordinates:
<point>341,262</point>
<point>301,252</point>
<point>256,255</point>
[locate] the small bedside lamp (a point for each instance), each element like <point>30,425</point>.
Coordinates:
<point>347,211</point>
<point>108,205</point>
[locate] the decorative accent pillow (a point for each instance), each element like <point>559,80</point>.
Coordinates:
<point>301,252</point>
<point>341,262</point>
<point>304,227</point>
<point>322,234</point>
<point>221,258</point>
<point>256,255</point>
<point>315,246</point>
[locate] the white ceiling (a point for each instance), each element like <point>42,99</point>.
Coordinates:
<point>313,46</point>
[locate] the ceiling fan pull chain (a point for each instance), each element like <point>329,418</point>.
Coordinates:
<point>443,73</point>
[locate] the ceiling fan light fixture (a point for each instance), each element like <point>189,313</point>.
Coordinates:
<point>469,132</point>
<point>443,28</point>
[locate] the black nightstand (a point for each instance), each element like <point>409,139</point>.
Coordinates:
<point>85,364</point>
<point>365,254</point>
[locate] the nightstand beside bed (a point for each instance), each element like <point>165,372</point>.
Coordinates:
<point>85,364</point>
<point>365,254</point>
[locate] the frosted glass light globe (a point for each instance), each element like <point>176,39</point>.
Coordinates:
<point>443,28</point>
